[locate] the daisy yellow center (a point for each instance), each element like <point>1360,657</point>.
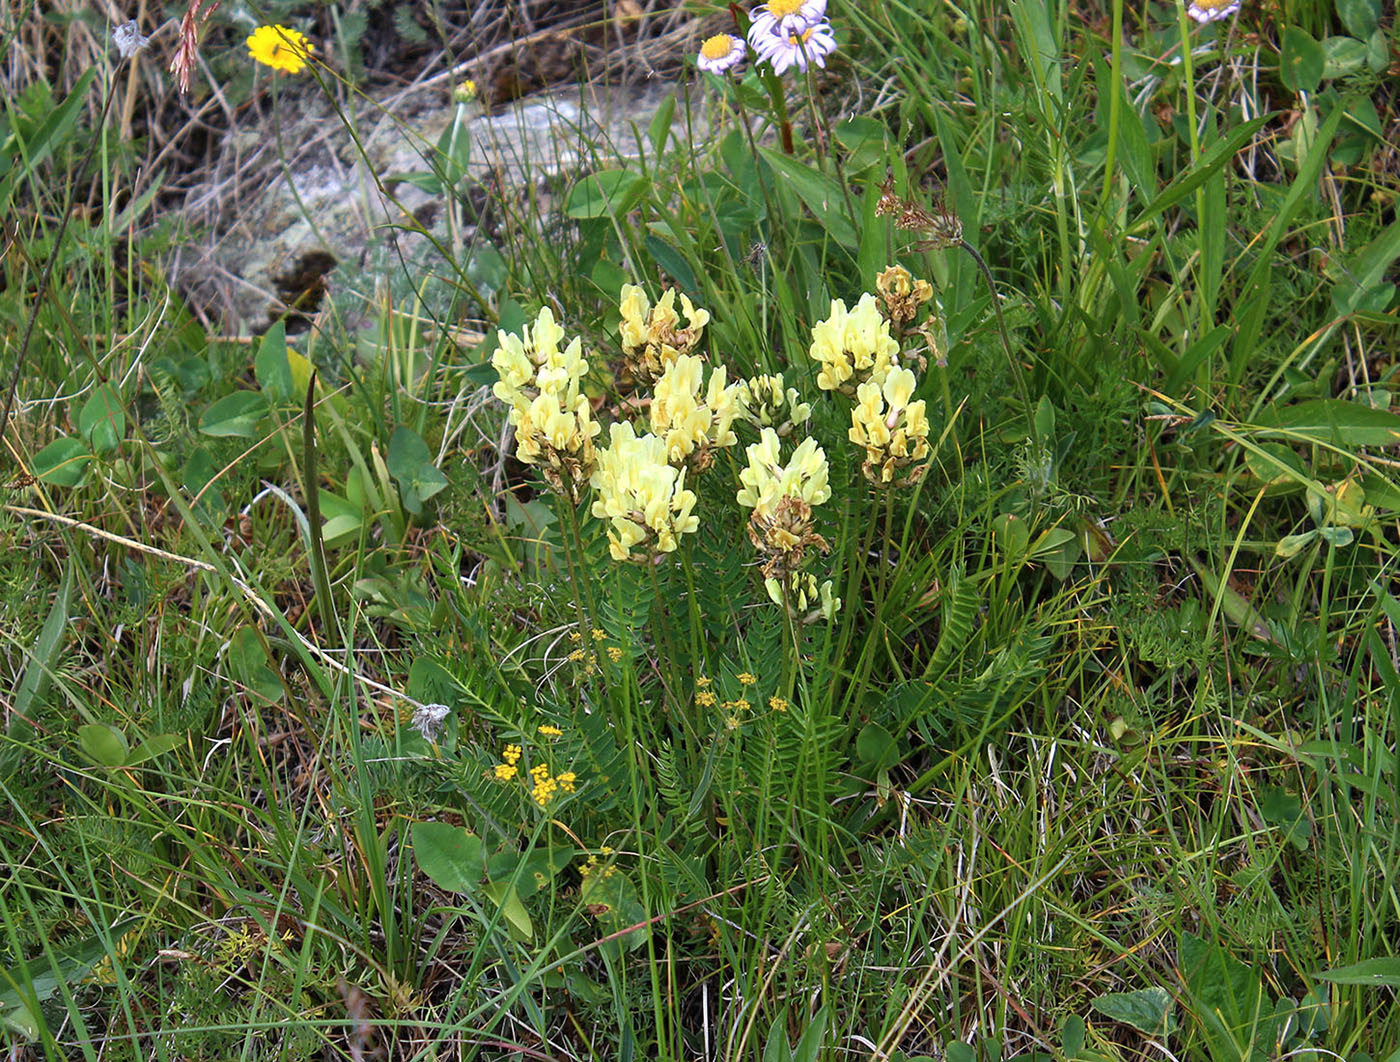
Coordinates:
<point>779,8</point>
<point>797,40</point>
<point>717,47</point>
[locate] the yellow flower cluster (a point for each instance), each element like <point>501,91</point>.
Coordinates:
<point>545,787</point>
<point>509,769</point>
<point>766,480</point>
<point>641,495</point>
<point>781,496</point>
<point>542,383</point>
<point>853,346</point>
<point>592,866</point>
<point>688,421</point>
<point>764,403</point>
<point>891,428</point>
<point>651,339</point>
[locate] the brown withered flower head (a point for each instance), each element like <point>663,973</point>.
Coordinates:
<point>901,295</point>
<point>785,537</point>
<point>940,227</point>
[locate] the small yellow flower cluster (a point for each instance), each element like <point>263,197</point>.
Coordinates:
<point>853,346</point>
<point>781,496</point>
<point>548,731</point>
<point>643,497</point>
<point>891,428</point>
<point>650,338</point>
<point>592,865</point>
<point>764,403</point>
<point>704,696</point>
<point>545,787</point>
<point>806,601</point>
<point>509,769</point>
<point>691,423</point>
<point>554,425</point>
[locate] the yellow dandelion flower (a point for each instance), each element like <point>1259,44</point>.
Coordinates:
<point>280,48</point>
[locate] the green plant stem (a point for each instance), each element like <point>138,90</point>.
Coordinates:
<point>1006,340</point>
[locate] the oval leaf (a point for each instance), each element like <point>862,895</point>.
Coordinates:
<point>101,421</point>
<point>449,855</point>
<point>63,462</point>
<point>104,744</point>
<point>237,415</point>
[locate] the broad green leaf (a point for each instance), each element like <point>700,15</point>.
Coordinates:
<point>1334,421</point>
<point>105,744</point>
<point>607,193</point>
<point>876,747</point>
<point>450,855</point>
<point>32,149</point>
<point>248,664</point>
<point>102,421</point>
<point>505,896</point>
<point>777,1049</point>
<point>1301,60</point>
<point>411,465</point>
<point>1360,17</point>
<point>1379,971</point>
<point>1363,283</point>
<point>1344,55</point>
<point>235,415</point>
<point>1148,1010</point>
<point>153,746</point>
<point>821,194</point>
<point>62,463</point>
<point>1292,545</point>
<point>272,368</point>
<point>1227,998</point>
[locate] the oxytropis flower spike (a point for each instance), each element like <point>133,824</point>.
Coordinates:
<point>781,496</point>
<point>554,425</point>
<point>764,403</point>
<point>853,346</point>
<point>641,495</point>
<point>691,419</point>
<point>651,339</point>
<point>892,429</point>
